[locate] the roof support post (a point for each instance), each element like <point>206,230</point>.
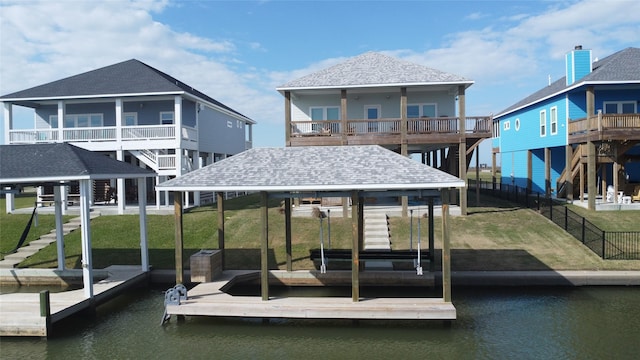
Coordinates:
<point>287,232</point>
<point>57,203</point>
<point>177,204</point>
<point>61,114</point>
<point>8,122</point>
<point>220,203</point>
<point>264,255</point>
<point>591,175</point>
<point>446,252</point>
<point>355,246</point>
<point>547,172</point>
<point>287,118</point>
<point>462,152</point>
<point>119,115</point>
<point>530,171</point>
<point>432,256</point>
<point>122,191</point>
<point>85,228</point>
<point>403,141</point>
<point>343,116</point>
<point>568,179</point>
<point>142,210</point>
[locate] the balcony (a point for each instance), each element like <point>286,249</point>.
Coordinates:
<point>389,131</point>
<point>102,134</point>
<point>603,127</point>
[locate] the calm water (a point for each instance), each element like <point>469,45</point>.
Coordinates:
<point>496,323</point>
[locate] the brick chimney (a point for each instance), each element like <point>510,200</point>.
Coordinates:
<point>578,64</point>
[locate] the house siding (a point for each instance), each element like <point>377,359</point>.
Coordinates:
<point>215,136</point>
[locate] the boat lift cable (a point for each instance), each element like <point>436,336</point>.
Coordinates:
<point>25,232</point>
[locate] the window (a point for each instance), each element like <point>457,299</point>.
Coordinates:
<point>553,119</point>
<point>80,120</point>
<point>543,123</point>
<point>620,107</point>
<point>130,119</point>
<point>517,124</point>
<point>325,113</point>
<point>372,112</point>
<point>507,125</point>
<point>421,110</point>
<point>166,117</point>
<point>53,121</point>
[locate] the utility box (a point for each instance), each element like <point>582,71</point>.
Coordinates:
<point>205,265</point>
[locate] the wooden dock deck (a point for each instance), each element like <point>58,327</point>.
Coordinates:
<point>210,299</point>
<point>20,312</point>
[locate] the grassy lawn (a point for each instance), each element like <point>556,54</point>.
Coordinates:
<point>496,235</point>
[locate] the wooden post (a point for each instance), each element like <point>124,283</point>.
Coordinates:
<point>494,170</point>
<point>220,203</point>
<point>177,204</point>
<point>547,172</point>
<point>432,249</point>
<point>591,175</point>
<point>287,232</point>
<point>355,247</point>
<point>45,309</point>
<point>462,152</point>
<point>344,141</point>
<point>404,151</point>
<point>142,210</point>
<point>85,228</point>
<point>478,176</point>
<point>287,118</point>
<point>264,250</point>
<point>568,180</point>
<point>582,181</point>
<point>446,252</point>
<point>57,200</point>
<point>529,170</point>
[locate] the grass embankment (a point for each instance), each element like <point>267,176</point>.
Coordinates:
<point>494,236</point>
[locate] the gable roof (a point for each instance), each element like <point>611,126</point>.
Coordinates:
<point>373,69</point>
<point>55,162</point>
<point>314,168</point>
<point>131,77</point>
<point>620,67</point>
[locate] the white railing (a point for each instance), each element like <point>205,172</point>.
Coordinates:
<point>166,162</point>
<point>148,132</point>
<point>89,134</point>
<point>33,136</point>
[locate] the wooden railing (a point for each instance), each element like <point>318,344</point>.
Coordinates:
<point>602,122</point>
<point>440,125</point>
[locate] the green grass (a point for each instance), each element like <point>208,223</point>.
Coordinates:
<point>496,235</point>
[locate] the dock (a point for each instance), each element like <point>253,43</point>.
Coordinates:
<point>211,299</point>
<point>20,313</point>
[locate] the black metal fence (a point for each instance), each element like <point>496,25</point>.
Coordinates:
<point>607,244</point>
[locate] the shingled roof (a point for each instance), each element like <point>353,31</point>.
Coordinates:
<point>622,66</point>
<point>55,162</point>
<point>314,168</point>
<point>374,69</point>
<point>131,77</point>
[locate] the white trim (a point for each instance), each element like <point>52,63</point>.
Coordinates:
<point>124,118</point>
<point>355,86</point>
<point>543,125</point>
<point>517,124</point>
<point>312,188</point>
<point>506,125</point>
<point>420,112</point>
<point>619,103</point>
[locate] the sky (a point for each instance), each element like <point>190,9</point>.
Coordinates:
<point>238,52</point>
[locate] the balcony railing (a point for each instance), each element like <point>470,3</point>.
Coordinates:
<point>440,125</point>
<point>91,134</point>
<point>603,122</point>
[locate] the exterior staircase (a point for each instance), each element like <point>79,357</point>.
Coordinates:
<point>10,261</point>
<point>376,237</point>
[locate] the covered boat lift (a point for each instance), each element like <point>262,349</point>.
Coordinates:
<point>355,172</point>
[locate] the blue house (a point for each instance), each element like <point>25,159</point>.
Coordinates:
<point>580,135</point>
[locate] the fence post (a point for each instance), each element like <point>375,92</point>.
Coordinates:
<point>566,218</point>
<point>538,200</point>
<point>550,208</point>
<point>603,245</point>
<point>582,236</point>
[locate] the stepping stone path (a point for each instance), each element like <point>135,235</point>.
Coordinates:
<point>10,261</point>
<point>376,237</point>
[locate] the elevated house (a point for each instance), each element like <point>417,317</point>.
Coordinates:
<point>135,113</point>
<point>375,99</point>
<point>580,135</point>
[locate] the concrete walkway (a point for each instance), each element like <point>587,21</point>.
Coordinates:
<point>10,261</point>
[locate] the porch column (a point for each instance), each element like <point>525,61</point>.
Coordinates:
<point>590,94</point>
<point>177,212</point>
<point>568,171</point>
<point>61,114</point>
<point>197,164</point>
<point>432,255</point>
<point>158,197</point>
<point>478,175</point>
<point>403,141</point>
<point>287,232</point>
<point>220,203</point>
<point>8,122</point>
<point>616,179</point>
<point>446,252</point>
<point>119,116</point>
<point>57,202</point>
<point>85,228</point>
<point>287,118</point>
<point>264,249</point>
<point>355,247</point>
<point>142,209</point>
<point>591,175</point>
<point>462,152</point>
<point>547,172</point>
<point>122,191</point>
<point>344,141</point>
